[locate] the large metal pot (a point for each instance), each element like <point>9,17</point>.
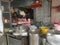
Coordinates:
<point>34,36</point>
<point>53,37</point>
<point>24,30</point>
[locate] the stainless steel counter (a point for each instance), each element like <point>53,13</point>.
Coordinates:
<point>16,40</point>
<point>3,40</point>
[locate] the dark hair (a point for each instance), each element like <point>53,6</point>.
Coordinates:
<point>13,15</point>
<point>23,9</point>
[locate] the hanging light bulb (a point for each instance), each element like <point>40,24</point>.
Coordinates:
<point>37,1</point>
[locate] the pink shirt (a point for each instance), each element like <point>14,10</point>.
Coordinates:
<point>26,24</point>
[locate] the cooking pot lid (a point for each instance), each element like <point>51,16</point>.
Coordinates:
<point>54,32</point>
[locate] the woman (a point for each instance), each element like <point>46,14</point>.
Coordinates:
<point>25,18</point>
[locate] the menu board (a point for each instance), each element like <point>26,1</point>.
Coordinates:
<point>1,22</point>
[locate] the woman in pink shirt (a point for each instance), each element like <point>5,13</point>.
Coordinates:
<point>25,18</point>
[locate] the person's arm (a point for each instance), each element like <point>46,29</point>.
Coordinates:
<point>27,21</point>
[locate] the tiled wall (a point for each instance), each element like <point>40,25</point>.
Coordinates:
<point>55,2</point>
<point>43,13</point>
<point>55,14</point>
